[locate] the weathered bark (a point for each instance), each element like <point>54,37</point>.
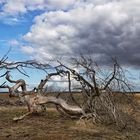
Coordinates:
<point>34,102</point>
<point>69,109</point>
<point>44,81</point>
<point>18,83</point>
<point>39,100</point>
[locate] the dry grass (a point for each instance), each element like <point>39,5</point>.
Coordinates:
<point>52,126</point>
<point>137,96</point>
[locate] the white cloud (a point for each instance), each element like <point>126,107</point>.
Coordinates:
<point>27,49</point>
<point>13,11</point>
<point>63,4</point>
<point>67,27</point>
<point>15,7</point>
<point>94,26</point>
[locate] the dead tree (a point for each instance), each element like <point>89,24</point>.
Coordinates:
<point>99,105</point>
<point>99,99</point>
<point>20,65</point>
<point>99,102</point>
<point>44,81</point>
<point>33,102</point>
<point>24,95</point>
<point>18,83</point>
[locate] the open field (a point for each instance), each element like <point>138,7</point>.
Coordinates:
<point>52,126</point>
<point>137,96</point>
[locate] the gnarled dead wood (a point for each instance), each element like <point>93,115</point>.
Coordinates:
<point>18,83</point>
<point>69,109</point>
<point>44,81</point>
<point>34,102</point>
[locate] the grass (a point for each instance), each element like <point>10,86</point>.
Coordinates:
<point>52,126</point>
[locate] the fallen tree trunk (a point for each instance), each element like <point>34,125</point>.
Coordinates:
<point>69,109</point>
<point>34,102</point>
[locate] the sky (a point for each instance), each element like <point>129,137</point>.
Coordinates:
<point>49,29</point>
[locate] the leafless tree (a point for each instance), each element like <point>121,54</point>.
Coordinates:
<point>7,66</point>
<point>34,102</point>
<point>99,102</point>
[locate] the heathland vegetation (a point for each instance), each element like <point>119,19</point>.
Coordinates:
<point>101,108</point>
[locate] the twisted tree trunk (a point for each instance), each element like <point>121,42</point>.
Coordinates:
<point>18,83</point>
<point>33,102</point>
<point>69,109</point>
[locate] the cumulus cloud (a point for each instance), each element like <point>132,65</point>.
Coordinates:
<point>100,28</point>
<point>12,11</point>
<point>15,7</point>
